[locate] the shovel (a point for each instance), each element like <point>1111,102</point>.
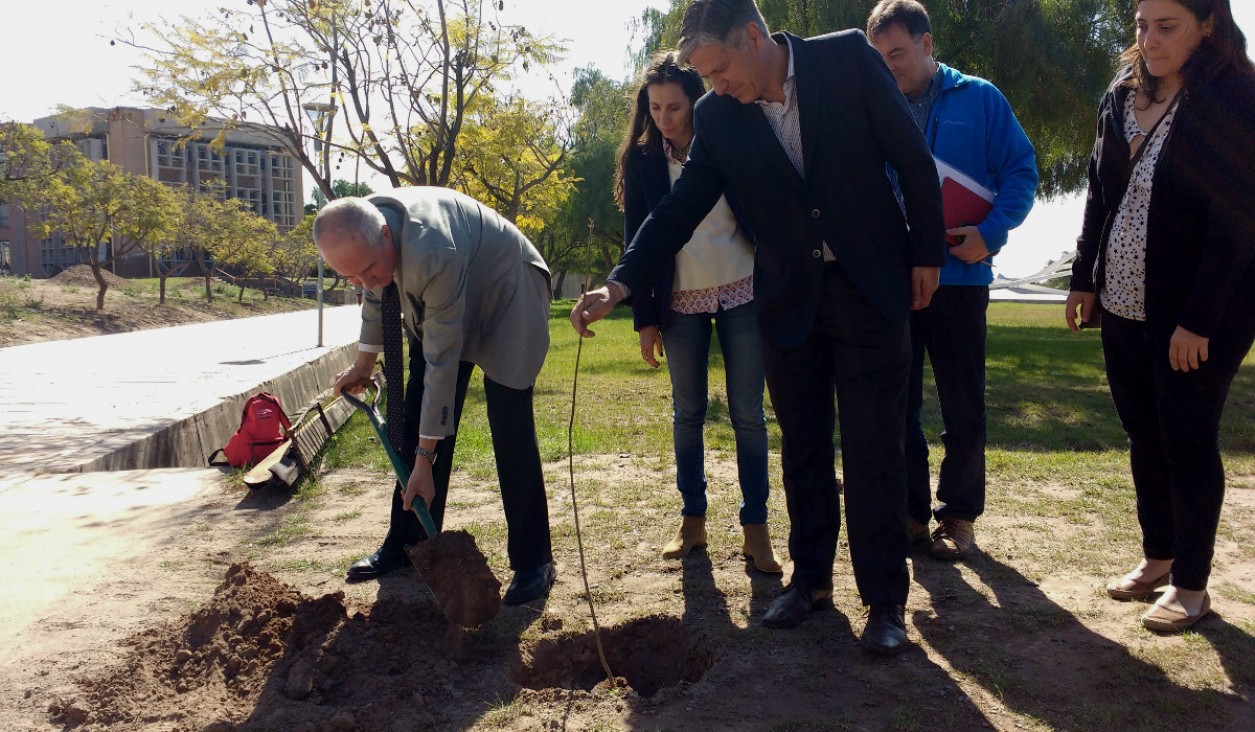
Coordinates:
<point>398,465</point>
<point>450,563</point>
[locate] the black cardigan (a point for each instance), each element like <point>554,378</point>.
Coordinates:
<point>1200,238</point>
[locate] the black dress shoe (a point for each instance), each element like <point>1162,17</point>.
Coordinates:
<point>885,634</point>
<point>376,565</point>
<point>529,584</point>
<point>788,610</point>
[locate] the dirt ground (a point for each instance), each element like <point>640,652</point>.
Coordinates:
<point>64,306</point>
<point>227,611</point>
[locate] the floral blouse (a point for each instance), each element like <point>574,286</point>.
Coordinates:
<point>1124,288</point>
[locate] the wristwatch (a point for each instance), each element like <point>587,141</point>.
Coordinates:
<point>423,452</point>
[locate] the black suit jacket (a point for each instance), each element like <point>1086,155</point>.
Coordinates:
<point>853,121</point>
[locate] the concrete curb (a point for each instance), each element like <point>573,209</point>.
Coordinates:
<point>188,443</point>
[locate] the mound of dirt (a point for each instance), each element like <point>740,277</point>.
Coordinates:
<point>81,275</point>
<point>458,574</point>
<point>262,657</point>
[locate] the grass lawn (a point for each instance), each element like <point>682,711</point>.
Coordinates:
<point>1050,414</point>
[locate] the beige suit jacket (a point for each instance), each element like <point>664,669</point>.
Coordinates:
<point>472,287</point>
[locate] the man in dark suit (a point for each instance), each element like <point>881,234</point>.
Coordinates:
<point>800,132</point>
<point>474,292</point>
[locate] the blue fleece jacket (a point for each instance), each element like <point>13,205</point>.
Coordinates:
<point>971,126</point>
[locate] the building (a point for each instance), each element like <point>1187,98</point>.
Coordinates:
<point>12,236</point>
<point>253,167</point>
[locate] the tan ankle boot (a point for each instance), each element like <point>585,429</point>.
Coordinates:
<point>691,535</point>
<point>758,547</point>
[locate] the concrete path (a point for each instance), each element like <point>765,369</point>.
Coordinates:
<point>158,398</point>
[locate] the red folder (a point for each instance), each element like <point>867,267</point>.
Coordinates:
<point>964,201</point>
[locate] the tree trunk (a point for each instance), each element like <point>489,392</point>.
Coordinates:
<point>100,280</point>
<point>557,287</point>
<point>240,299</point>
<point>209,288</point>
<point>161,286</point>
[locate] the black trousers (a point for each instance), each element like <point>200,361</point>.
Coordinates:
<point>1172,419</point>
<point>853,350</point>
<point>519,472</point>
<point>951,331</point>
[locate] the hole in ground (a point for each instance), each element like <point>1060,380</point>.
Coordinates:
<point>651,653</point>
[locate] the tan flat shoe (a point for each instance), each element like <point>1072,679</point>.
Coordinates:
<point>1171,620</point>
<point>1123,588</point>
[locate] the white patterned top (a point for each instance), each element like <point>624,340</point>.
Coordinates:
<point>1124,286</point>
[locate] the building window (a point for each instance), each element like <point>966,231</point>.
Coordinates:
<point>4,216</point>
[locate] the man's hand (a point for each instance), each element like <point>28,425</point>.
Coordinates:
<point>421,484</point>
<point>593,306</point>
<point>651,345</point>
<point>924,282</point>
<point>356,378</point>
<point>972,248</point>
<point>1085,302</point>
<point>1186,350</point>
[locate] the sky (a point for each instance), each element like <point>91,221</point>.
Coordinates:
<point>56,54</point>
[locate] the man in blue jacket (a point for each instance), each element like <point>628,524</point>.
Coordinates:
<point>979,144</point>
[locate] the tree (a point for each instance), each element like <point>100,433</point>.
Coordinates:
<point>202,227</point>
<point>245,243</point>
<point>513,157</point>
<point>340,189</point>
<point>1051,59</point>
<point>400,74</point>
<point>97,207</point>
<point>170,255</point>
<point>587,233</point>
<point>28,161</point>
<point>152,220</point>
<point>295,256</point>
<point>202,218</point>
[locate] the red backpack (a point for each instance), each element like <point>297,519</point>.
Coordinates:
<point>263,427</point>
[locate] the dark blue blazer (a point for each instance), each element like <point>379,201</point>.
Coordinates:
<point>646,181</point>
<point>854,121</point>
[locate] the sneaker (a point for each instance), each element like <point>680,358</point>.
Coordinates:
<point>953,539</point>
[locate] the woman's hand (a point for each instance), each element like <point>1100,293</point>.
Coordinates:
<point>1186,351</point>
<point>651,345</point>
<point>1085,302</point>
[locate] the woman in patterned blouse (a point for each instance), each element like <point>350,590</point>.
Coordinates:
<point>1167,256</point>
<point>709,287</point>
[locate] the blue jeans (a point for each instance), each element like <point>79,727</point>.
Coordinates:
<point>686,340</point>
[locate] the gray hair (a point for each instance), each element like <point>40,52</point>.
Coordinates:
<point>717,23</point>
<point>351,214</point>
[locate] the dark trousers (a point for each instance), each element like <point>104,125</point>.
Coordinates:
<point>866,359</point>
<point>951,330</point>
<point>519,472</point>
<point>1172,419</point>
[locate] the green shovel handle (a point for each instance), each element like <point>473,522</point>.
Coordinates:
<point>402,470</point>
